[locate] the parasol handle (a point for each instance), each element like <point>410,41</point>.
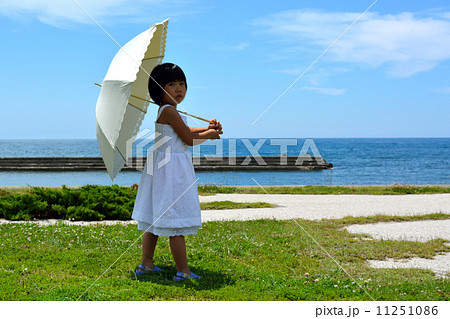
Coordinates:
<point>142,99</point>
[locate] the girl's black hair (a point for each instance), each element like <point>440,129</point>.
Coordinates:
<point>160,76</point>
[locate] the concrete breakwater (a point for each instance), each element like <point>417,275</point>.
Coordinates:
<point>225,163</point>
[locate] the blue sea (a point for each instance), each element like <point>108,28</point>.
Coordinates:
<point>356,161</point>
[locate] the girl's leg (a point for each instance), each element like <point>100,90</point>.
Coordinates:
<point>178,248</point>
<point>148,249</point>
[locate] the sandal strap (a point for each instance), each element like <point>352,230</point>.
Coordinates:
<point>145,268</point>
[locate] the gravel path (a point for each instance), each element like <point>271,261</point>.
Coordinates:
<point>421,230</point>
<point>440,264</point>
<point>316,207</point>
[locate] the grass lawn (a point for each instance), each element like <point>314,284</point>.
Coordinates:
<point>226,204</point>
<point>394,189</point>
<point>251,260</point>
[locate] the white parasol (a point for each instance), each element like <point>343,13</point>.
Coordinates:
<point>124,97</point>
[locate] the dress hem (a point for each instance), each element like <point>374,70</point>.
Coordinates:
<point>160,231</point>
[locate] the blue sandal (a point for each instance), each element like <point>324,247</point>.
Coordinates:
<point>180,276</point>
<point>145,270</point>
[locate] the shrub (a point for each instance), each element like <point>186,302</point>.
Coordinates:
<point>90,202</point>
<point>83,213</point>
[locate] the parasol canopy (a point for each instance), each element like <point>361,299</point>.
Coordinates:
<point>123,100</point>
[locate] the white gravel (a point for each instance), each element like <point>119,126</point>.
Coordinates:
<point>422,230</point>
<point>440,264</point>
<point>316,207</point>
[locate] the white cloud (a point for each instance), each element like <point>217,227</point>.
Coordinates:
<point>326,91</point>
<point>405,43</point>
<point>62,13</point>
<point>239,47</point>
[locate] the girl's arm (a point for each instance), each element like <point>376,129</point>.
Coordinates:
<point>213,124</point>
<point>198,129</point>
<point>171,115</point>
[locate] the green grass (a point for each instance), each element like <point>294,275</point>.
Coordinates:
<point>251,260</point>
<point>210,189</point>
<point>394,189</point>
<point>226,204</point>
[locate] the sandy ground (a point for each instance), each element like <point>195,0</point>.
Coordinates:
<point>316,207</point>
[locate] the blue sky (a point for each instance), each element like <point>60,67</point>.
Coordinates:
<point>387,77</point>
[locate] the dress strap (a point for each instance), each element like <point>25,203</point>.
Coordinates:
<point>161,109</point>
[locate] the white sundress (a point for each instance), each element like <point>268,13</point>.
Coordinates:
<point>167,201</point>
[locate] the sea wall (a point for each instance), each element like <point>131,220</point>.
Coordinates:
<point>225,163</point>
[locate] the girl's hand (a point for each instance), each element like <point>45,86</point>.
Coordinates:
<point>212,124</point>
<point>215,125</point>
<point>213,134</point>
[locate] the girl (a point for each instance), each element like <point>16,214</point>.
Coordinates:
<point>167,200</point>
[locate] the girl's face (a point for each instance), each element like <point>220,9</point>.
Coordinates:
<point>174,93</point>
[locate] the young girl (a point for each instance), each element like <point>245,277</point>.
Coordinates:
<point>167,200</point>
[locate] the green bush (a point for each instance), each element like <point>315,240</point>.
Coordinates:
<point>90,202</point>
<point>83,213</point>
<point>24,206</point>
<point>61,211</point>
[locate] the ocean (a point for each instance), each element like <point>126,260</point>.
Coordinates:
<point>356,161</point>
